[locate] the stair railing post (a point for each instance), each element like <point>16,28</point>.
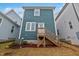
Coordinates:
<point>44,41</point>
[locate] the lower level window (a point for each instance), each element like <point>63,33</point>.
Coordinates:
<point>0,20</point>
<point>30,26</point>
<point>57,31</point>
<point>12,30</point>
<point>70,24</point>
<point>77,33</point>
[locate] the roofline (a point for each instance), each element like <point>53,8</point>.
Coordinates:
<point>75,11</point>
<point>9,19</point>
<point>64,7</point>
<point>13,11</point>
<point>41,7</point>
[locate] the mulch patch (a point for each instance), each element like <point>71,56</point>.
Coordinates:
<point>30,46</point>
<point>23,46</point>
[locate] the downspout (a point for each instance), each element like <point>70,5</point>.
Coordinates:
<point>55,25</point>
<point>20,29</point>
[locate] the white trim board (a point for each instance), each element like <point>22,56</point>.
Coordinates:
<point>55,24</point>
<point>20,29</point>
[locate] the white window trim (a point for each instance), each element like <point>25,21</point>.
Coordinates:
<point>1,21</point>
<point>26,26</point>
<point>34,26</point>
<point>41,23</point>
<point>30,26</point>
<point>36,9</point>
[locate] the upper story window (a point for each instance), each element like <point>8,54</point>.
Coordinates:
<point>36,12</point>
<point>30,26</point>
<point>0,20</point>
<point>12,29</point>
<point>70,24</point>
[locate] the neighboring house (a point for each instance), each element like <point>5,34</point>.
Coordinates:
<point>14,16</point>
<point>8,28</point>
<point>34,18</point>
<point>68,22</point>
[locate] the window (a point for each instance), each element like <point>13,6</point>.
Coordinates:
<point>33,26</point>
<point>36,12</point>
<point>40,25</point>
<point>0,20</point>
<point>12,30</point>
<point>57,31</point>
<point>30,26</point>
<point>70,24</point>
<point>77,33</point>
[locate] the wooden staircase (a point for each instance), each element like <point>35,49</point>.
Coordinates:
<point>47,36</point>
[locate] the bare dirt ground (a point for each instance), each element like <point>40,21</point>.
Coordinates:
<point>65,50</point>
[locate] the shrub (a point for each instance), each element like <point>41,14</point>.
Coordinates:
<point>66,41</point>
<point>14,44</point>
<point>62,40</point>
<point>6,41</point>
<point>24,42</point>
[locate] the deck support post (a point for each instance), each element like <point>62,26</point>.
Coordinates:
<point>44,44</point>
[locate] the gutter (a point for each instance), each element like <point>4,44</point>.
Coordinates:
<point>75,11</point>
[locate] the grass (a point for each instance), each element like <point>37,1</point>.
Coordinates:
<point>4,45</point>
<point>65,50</point>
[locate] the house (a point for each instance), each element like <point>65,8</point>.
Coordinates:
<point>36,17</point>
<point>14,16</point>
<point>8,28</point>
<point>68,22</point>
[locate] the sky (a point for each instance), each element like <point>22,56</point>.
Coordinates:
<point>5,7</point>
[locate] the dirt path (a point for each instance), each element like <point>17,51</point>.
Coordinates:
<point>46,51</point>
<point>65,50</point>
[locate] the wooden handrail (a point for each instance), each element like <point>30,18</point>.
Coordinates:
<point>50,33</point>
<point>52,37</point>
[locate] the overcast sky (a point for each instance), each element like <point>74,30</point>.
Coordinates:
<point>5,7</point>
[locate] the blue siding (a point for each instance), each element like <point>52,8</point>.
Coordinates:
<point>46,16</point>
